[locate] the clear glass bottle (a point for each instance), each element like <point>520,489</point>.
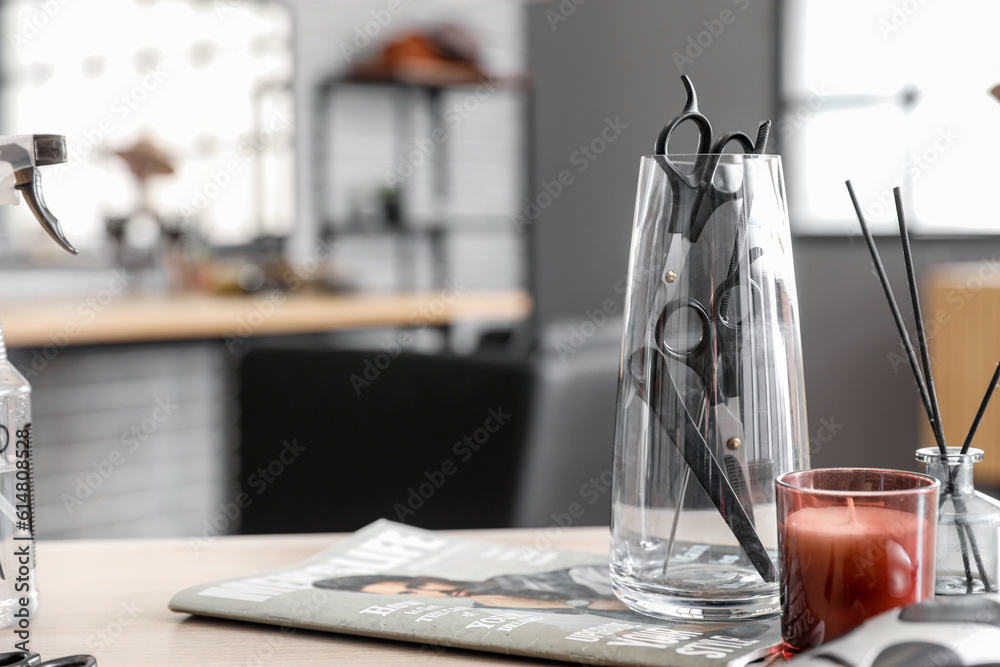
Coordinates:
<point>968,535</point>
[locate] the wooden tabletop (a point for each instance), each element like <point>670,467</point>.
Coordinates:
<point>156,317</point>
<point>109,598</point>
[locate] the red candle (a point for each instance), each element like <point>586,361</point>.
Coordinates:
<point>846,558</point>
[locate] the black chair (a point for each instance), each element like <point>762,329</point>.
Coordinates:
<point>334,439</point>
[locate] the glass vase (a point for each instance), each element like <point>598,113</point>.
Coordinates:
<point>968,538</point>
<point>711,405</point>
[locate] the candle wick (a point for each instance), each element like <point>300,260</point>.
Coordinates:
<point>852,514</point>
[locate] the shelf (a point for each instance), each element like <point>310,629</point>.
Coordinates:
<point>426,88</point>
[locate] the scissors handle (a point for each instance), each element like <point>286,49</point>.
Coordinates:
<point>713,355</point>
<point>699,347</point>
<point>32,659</point>
<point>19,659</point>
<point>699,355</point>
<point>690,112</point>
<point>745,143</point>
<point>81,660</point>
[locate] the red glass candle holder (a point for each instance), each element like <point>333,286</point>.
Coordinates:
<point>853,543</point>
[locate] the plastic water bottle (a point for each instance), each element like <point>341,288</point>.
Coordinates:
<point>20,158</point>
<point>18,592</point>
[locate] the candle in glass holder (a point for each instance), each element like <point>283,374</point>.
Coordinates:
<point>854,543</point>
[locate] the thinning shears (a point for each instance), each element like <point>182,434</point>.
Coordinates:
<point>656,386</point>
<point>707,340</point>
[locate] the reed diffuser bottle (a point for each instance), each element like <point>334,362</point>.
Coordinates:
<point>968,531</point>
<point>968,534</point>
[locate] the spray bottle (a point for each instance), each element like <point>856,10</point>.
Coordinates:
<point>20,157</point>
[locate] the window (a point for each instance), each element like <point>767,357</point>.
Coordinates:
<point>886,93</point>
<point>206,83</point>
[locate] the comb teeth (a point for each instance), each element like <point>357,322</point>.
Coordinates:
<point>763,131</point>
<point>739,483</point>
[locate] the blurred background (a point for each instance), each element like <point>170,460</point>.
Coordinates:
<point>368,258</point>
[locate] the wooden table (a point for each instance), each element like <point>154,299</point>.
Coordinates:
<point>126,318</point>
<point>109,598</point>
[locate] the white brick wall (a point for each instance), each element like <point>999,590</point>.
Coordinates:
<point>131,441</point>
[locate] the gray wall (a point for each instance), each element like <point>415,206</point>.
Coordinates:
<point>615,59</point>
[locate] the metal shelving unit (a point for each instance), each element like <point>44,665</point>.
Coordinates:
<point>406,237</point>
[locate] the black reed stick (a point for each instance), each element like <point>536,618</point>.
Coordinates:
<point>919,319</point>
<point>910,354</point>
<point>961,523</point>
<point>965,559</point>
<point>982,410</point>
<point>927,390</point>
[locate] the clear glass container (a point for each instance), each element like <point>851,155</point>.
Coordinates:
<point>968,539</point>
<point>711,404</point>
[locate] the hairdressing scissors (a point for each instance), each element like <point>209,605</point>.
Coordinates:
<point>700,191</point>
<point>707,340</point>
<point>704,337</point>
<point>655,385</point>
<point>32,659</point>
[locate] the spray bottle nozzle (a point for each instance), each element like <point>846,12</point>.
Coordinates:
<point>49,149</point>
<point>20,157</point>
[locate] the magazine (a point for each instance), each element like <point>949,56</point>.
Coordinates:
<point>398,582</point>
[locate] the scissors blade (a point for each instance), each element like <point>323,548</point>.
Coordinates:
<point>720,184</point>
<point>685,230</point>
<point>707,469</point>
<point>732,445</point>
<point>673,265</point>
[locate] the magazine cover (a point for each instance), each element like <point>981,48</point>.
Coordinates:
<point>398,582</point>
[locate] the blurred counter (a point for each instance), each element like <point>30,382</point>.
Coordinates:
<point>148,318</point>
<point>103,366</point>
